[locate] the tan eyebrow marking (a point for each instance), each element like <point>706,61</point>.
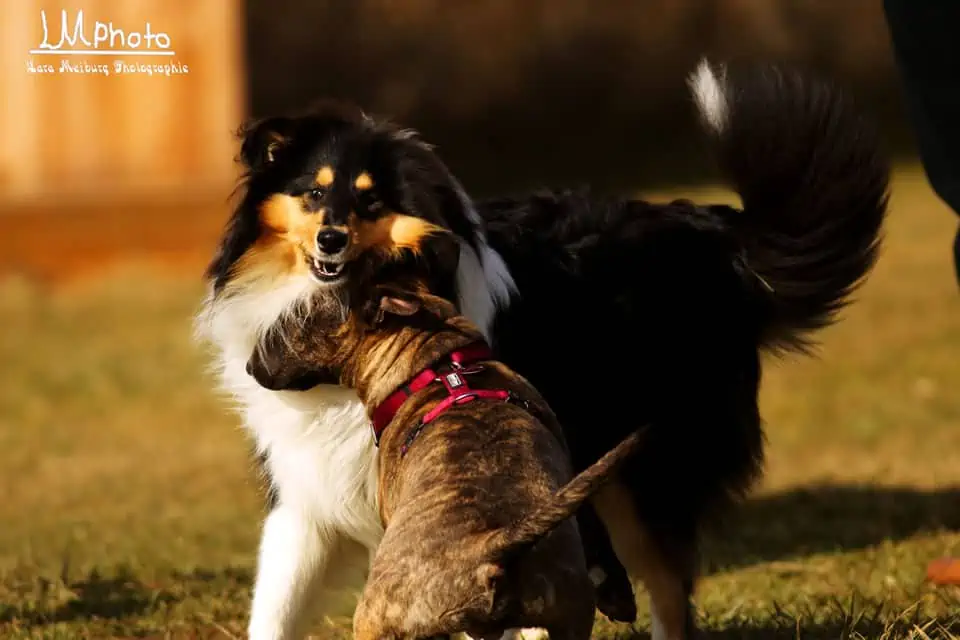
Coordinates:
<point>363,182</point>
<point>325,176</point>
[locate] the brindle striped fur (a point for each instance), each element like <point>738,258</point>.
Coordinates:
<point>478,537</point>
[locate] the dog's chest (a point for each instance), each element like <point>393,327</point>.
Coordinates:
<point>321,455</point>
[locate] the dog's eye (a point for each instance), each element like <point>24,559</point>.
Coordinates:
<point>317,193</point>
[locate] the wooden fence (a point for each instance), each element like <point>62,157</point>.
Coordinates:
<point>101,124</point>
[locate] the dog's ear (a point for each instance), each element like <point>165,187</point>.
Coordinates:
<point>387,300</point>
<point>262,140</point>
<point>399,306</point>
<point>398,302</point>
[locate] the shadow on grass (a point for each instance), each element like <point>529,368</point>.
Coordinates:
<point>853,619</point>
<point>827,518</point>
<point>843,630</point>
<point>93,596</point>
<point>118,596</point>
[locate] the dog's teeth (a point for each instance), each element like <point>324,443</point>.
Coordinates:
<point>328,269</point>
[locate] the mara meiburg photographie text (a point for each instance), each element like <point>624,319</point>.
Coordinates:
<point>151,48</point>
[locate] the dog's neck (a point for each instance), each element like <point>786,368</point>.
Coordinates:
<point>384,362</point>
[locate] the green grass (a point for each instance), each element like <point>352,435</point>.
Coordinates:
<point>130,507</point>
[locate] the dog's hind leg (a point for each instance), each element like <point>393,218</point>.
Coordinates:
<point>293,557</point>
<point>666,565</point>
<point>612,588</point>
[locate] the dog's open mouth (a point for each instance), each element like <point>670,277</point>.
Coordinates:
<point>327,272</point>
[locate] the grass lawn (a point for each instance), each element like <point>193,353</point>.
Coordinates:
<point>130,508</point>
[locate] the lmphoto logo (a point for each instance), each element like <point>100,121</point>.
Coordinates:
<point>73,39</point>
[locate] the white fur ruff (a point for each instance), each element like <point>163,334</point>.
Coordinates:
<point>709,92</point>
<point>320,452</point>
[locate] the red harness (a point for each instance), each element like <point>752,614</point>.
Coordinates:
<point>452,376</point>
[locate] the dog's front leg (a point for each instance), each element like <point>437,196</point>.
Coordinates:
<point>294,551</point>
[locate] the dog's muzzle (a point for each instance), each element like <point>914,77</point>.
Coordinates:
<point>330,262</point>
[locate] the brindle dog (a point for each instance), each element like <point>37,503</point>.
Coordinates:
<point>477,500</point>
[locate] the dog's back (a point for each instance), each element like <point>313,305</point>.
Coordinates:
<point>472,473</point>
<point>480,536</point>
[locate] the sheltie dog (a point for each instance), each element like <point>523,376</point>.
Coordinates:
<point>620,312</point>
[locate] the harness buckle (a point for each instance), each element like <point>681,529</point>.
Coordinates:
<point>454,381</point>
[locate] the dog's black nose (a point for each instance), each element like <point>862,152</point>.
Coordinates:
<point>331,241</point>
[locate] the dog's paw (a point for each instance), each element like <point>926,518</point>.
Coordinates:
<point>615,597</point>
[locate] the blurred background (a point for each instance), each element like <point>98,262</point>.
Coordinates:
<point>514,94</point>
<point>520,93</point>
<point>130,488</point>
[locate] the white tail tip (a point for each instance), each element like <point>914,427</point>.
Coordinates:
<point>708,92</point>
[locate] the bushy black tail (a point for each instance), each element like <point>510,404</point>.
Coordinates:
<point>513,541</point>
<point>814,187</point>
